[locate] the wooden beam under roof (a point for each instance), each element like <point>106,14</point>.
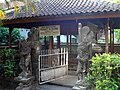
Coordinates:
<point>62,17</point>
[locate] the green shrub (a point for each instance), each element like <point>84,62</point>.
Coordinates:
<point>105,72</point>
<point>8,69</point>
<point>7,63</point>
<point>7,53</point>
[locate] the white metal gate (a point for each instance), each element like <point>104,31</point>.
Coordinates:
<point>53,64</point>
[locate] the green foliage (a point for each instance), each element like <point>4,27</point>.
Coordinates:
<point>15,35</point>
<point>117,35</point>
<point>116,1</point>
<point>9,69</point>
<point>26,3</point>
<point>7,63</point>
<point>113,1</point>
<point>105,72</point>
<point>2,13</point>
<point>7,53</point>
<point>4,35</point>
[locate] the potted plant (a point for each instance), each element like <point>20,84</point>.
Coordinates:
<point>105,72</point>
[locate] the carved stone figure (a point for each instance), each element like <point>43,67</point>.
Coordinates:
<point>25,59</point>
<point>29,48</point>
<point>85,40</point>
<point>84,50</point>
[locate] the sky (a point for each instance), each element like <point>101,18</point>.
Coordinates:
<point>2,1</point>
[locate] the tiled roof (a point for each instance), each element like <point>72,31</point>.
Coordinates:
<point>67,7</point>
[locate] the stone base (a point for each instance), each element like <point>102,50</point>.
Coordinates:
<point>79,88</point>
<point>25,79</point>
<point>25,83</point>
<point>81,85</point>
<point>28,87</point>
<point>24,88</point>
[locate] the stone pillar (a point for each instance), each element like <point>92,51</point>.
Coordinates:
<point>35,51</point>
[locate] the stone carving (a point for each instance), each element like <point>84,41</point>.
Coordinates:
<point>29,45</point>
<point>85,40</point>
<point>84,50</point>
<point>25,59</point>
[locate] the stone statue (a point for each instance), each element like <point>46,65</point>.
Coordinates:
<point>84,50</point>
<point>25,59</point>
<point>85,40</point>
<point>28,51</point>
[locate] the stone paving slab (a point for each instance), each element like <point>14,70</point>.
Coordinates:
<point>64,83</point>
<point>52,87</point>
<point>68,81</point>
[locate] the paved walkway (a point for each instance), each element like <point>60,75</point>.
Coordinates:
<point>64,83</point>
<point>52,87</point>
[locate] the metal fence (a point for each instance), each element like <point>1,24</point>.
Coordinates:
<point>53,64</point>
